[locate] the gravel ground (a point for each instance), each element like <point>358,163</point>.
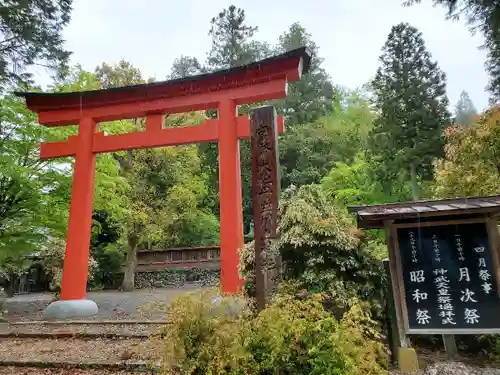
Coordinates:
<point>122,329</point>
<point>112,304</point>
<point>452,368</point>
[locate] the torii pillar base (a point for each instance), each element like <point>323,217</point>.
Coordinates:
<point>64,309</point>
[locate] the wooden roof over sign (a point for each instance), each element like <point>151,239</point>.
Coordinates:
<point>373,216</point>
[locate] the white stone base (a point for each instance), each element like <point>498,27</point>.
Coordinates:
<point>64,309</point>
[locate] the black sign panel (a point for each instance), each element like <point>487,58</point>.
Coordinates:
<point>449,278</point>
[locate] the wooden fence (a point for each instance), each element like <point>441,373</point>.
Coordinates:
<point>178,257</point>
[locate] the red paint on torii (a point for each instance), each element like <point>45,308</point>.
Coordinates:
<point>223,90</point>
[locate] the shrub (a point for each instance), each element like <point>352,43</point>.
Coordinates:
<point>202,338</point>
<point>360,339</point>
<point>294,337</point>
<point>321,251</point>
<point>291,336</point>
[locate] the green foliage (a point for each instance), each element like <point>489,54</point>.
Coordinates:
<point>359,336</point>
<point>356,184</point>
<point>34,193</point>
<point>471,166</point>
<point>202,338</point>
<point>309,151</point>
<point>30,188</point>
<point>109,260</point>
<point>168,191</point>
<point>104,247</point>
<point>291,336</point>
<point>321,250</point>
<point>121,74</point>
<point>233,44</point>
<point>31,34</point>
<point>202,228</point>
<point>299,336</point>
<point>410,94</point>
<point>352,184</point>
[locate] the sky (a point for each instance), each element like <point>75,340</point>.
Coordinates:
<point>150,34</point>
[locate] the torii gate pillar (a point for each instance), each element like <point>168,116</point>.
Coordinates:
<point>224,90</point>
<point>231,214</point>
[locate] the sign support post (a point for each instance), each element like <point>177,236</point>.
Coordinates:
<point>406,357</point>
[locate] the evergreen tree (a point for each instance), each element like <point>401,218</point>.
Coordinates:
<point>465,110</point>
<point>186,66</point>
<point>312,96</point>
<point>31,34</point>
<point>231,40</point>
<point>410,95</point>
<point>232,46</point>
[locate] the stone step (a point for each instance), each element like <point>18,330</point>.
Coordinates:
<point>82,328</point>
<point>116,354</point>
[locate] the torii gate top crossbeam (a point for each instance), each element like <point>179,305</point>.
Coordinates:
<point>259,81</point>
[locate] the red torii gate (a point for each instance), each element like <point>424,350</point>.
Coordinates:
<point>263,80</point>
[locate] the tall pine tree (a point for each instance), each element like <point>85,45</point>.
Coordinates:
<point>465,111</point>
<point>410,95</point>
<point>311,97</point>
<point>232,45</point>
<point>231,40</point>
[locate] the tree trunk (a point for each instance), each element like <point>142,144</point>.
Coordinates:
<point>132,239</point>
<point>415,189</point>
<point>130,264</point>
<point>9,288</point>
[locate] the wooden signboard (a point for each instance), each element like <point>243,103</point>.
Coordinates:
<point>448,277</point>
<point>265,192</point>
